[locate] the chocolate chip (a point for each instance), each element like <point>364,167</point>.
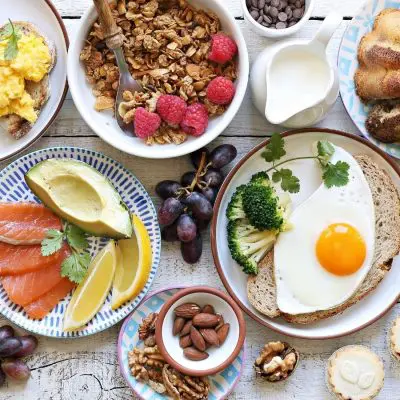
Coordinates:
<point>261,4</point>
<point>281,25</point>
<point>273,12</point>
<point>254,14</point>
<point>282,17</point>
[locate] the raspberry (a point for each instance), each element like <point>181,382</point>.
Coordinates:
<point>220,91</point>
<point>195,120</point>
<point>171,109</point>
<point>223,48</point>
<point>146,123</point>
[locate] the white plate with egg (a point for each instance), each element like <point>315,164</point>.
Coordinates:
<point>372,307</point>
<point>44,17</point>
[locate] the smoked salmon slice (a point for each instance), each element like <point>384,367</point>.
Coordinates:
<point>26,223</point>
<point>25,288</point>
<point>42,306</point>
<point>16,260</point>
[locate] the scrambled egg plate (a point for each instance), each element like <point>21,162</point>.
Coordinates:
<point>31,63</point>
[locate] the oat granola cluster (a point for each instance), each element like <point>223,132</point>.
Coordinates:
<point>167,44</point>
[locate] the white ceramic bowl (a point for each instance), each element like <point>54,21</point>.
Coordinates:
<point>106,126</point>
<point>219,357</point>
<point>277,33</point>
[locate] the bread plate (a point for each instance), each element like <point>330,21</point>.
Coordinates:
<point>299,142</point>
<point>361,24</point>
<point>44,16</point>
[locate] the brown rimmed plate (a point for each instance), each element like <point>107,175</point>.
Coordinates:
<point>42,14</point>
<point>298,142</point>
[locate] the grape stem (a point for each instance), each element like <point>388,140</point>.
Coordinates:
<point>199,171</point>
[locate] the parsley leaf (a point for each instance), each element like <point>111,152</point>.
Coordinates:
<point>275,149</point>
<point>52,243</point>
<point>75,266</point>
<point>336,174</point>
<point>12,34</point>
<point>76,237</point>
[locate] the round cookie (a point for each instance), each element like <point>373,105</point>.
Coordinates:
<point>394,339</point>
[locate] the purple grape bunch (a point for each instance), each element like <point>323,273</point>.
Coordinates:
<point>12,349</point>
<point>187,206</point>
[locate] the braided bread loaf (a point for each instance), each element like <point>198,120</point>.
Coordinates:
<point>378,76</point>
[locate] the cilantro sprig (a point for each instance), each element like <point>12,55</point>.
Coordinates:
<point>75,266</point>
<point>332,174</point>
<point>12,34</point>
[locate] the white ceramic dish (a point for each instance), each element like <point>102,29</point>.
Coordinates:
<point>348,64</point>
<point>299,142</point>
<point>45,17</point>
<point>277,33</point>
<point>106,126</point>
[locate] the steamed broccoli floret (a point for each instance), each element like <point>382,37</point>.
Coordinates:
<point>248,245</point>
<point>235,210</point>
<point>260,178</point>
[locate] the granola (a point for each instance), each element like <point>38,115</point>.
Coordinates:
<point>166,45</point>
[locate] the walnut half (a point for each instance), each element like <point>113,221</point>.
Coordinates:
<point>277,361</point>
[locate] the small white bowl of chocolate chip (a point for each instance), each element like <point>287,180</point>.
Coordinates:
<point>200,331</point>
<point>277,18</point>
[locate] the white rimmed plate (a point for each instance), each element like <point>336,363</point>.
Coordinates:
<point>297,143</point>
<point>361,24</point>
<point>221,385</point>
<point>45,17</point>
<point>13,188</point>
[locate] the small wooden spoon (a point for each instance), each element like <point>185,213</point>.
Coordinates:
<point>114,41</point>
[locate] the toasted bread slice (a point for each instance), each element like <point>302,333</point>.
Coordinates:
<point>39,91</point>
<point>387,246</point>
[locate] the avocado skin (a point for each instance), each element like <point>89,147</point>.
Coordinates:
<point>102,228</point>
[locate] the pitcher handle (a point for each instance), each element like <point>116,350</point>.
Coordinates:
<point>327,29</point>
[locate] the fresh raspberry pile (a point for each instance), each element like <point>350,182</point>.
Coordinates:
<point>223,48</point>
<point>146,123</point>
<point>220,91</point>
<point>195,121</point>
<point>171,109</point>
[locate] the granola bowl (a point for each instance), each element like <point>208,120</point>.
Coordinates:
<point>174,66</point>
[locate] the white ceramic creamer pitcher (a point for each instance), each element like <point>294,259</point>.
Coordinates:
<point>293,82</point>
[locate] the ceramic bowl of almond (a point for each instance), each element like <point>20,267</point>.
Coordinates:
<point>200,331</point>
<point>190,58</point>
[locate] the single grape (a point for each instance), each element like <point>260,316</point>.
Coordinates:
<point>196,156</point>
<point>29,344</point>
<point>169,234</point>
<point>191,251</point>
<point>210,194</point>
<point>213,177</point>
<point>187,178</point>
<point>166,189</point>
<point>223,155</point>
<point>2,377</point>
<point>170,210</point>
<point>6,331</point>
<point>16,369</point>
<point>186,228</point>
<point>199,205</point>
<point>9,346</point>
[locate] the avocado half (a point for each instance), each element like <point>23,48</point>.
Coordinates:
<point>82,196</point>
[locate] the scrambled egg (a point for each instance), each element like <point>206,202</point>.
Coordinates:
<point>31,63</point>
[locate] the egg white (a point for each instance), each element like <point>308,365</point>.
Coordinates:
<point>303,285</point>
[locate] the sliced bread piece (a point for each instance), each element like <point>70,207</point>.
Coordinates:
<point>387,234</point>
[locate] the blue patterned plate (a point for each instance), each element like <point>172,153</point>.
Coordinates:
<point>348,64</point>
<point>221,384</point>
<point>13,188</point>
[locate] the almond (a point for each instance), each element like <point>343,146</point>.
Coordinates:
<point>220,321</point>
<point>208,309</point>
<point>197,339</point>
<point>195,355</point>
<point>178,325</point>
<point>186,328</point>
<point>223,333</point>
<point>185,341</point>
<point>210,336</point>
<point>187,310</point>
<point>204,320</point>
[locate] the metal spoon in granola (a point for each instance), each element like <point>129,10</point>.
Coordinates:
<point>114,41</point>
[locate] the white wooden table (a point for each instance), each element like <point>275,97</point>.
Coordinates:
<point>87,369</point>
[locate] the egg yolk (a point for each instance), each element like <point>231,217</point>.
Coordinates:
<point>341,249</point>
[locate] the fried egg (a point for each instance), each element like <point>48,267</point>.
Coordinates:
<point>321,262</point>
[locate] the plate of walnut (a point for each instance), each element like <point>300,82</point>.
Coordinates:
<point>369,70</point>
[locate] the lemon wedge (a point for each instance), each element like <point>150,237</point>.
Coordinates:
<point>134,261</point>
<point>89,296</point>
